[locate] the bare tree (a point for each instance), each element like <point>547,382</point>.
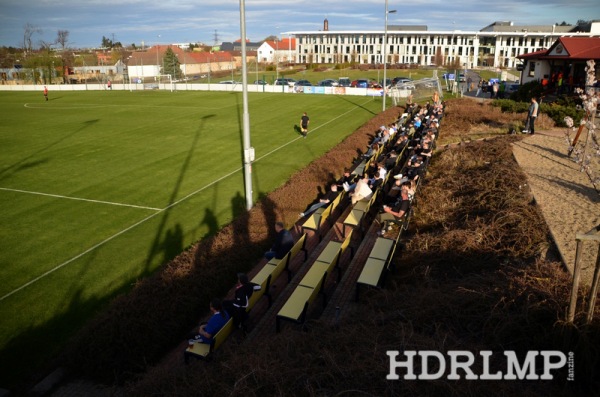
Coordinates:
<point>29,31</point>
<point>62,38</point>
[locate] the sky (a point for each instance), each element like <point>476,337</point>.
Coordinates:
<point>214,21</point>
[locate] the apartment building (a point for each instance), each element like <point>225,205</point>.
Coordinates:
<point>496,45</point>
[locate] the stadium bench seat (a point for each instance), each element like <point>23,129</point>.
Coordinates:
<point>313,282</point>
<point>204,350</point>
<point>356,215</point>
<point>378,263</point>
<point>273,269</point>
<point>320,216</point>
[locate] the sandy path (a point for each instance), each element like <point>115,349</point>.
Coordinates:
<point>568,201</point>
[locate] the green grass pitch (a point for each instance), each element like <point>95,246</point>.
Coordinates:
<point>98,189</point>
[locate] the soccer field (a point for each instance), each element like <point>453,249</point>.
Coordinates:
<point>98,189</point>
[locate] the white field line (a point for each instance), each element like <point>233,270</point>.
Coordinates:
<point>101,243</point>
<point>79,199</point>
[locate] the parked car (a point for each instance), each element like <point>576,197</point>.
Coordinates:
<point>344,82</point>
<point>304,83</point>
<point>388,82</point>
<point>285,81</point>
<point>228,82</point>
<point>462,78</point>
<point>360,83</point>
<point>260,82</point>
<point>328,83</point>
<point>397,80</point>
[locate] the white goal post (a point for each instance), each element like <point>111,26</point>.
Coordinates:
<point>165,82</point>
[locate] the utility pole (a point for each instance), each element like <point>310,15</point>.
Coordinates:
<point>248,150</point>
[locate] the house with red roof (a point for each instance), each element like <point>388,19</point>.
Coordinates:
<point>143,65</point>
<point>563,64</point>
<point>277,51</point>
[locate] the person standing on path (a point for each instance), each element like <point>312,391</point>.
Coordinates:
<point>304,121</point>
<point>479,86</point>
<point>532,115</point>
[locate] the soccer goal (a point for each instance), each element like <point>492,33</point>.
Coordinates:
<point>419,89</point>
<point>165,82</point>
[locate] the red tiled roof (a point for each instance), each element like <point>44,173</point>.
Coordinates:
<point>582,47</point>
<point>150,56</point>
<point>576,48</point>
<point>283,44</point>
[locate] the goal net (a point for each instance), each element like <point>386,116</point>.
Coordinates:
<point>161,82</point>
<point>419,89</point>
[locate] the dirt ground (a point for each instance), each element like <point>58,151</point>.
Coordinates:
<point>565,195</point>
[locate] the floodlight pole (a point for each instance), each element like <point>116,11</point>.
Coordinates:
<point>248,150</point>
<point>383,51</point>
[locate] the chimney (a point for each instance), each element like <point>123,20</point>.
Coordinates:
<point>325,25</point>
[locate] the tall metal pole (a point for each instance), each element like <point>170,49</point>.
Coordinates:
<point>248,150</point>
<point>383,53</point>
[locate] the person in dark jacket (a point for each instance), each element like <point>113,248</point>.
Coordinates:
<point>283,243</point>
<point>241,299</point>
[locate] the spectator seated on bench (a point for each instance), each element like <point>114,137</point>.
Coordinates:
<point>326,199</point>
<point>217,328</point>
<point>283,242</point>
<point>271,271</point>
<point>360,190</point>
<point>395,214</point>
<point>318,218</point>
<point>347,178</point>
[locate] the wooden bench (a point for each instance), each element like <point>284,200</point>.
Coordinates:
<point>378,263</point>
<point>360,168</point>
<point>321,215</point>
<point>204,350</point>
<point>356,215</point>
<point>273,269</point>
<point>313,283</point>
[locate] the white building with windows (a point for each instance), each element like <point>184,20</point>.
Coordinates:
<point>277,51</point>
<point>496,45</point>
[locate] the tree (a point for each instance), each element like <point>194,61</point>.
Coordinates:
<point>106,42</point>
<point>62,38</point>
<point>171,64</point>
<point>29,31</point>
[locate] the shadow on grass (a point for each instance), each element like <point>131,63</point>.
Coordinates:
<point>25,163</point>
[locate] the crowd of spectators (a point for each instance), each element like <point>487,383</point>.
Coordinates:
<point>397,159</point>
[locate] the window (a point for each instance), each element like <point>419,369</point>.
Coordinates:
<point>531,69</point>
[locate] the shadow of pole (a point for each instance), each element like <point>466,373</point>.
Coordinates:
<point>156,245</point>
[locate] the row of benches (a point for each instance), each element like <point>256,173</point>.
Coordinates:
<point>313,283</point>
<point>296,307</point>
<point>379,263</point>
<point>265,278</point>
